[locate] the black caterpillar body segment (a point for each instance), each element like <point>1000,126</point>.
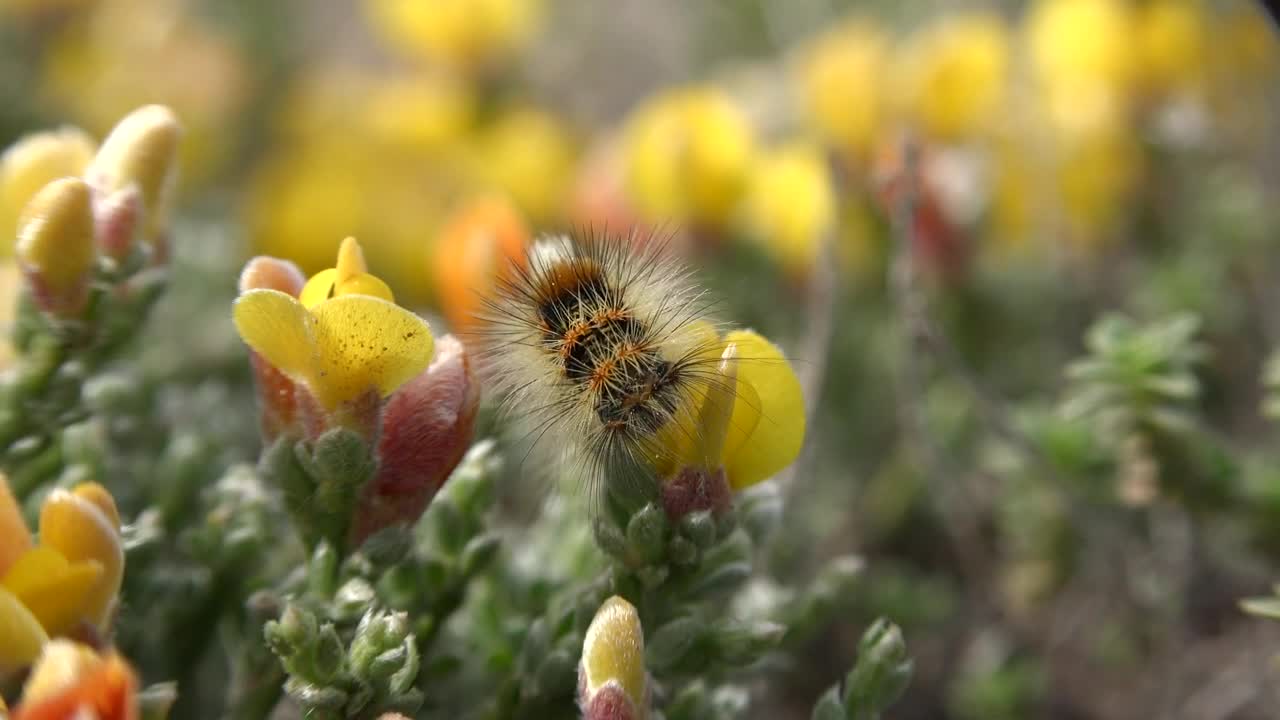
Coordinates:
<point>598,343</point>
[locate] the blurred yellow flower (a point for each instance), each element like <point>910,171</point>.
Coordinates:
<point>842,85</point>
<point>420,113</point>
<point>791,204</point>
<point>1084,60</point>
<point>1096,178</point>
<point>529,155</point>
<point>125,54</point>
<point>30,164</point>
<point>72,576</point>
<point>1172,46</point>
<point>951,77</point>
<point>750,420</point>
<point>688,155</point>
<point>343,338</point>
<point>467,34</point>
<point>613,660</point>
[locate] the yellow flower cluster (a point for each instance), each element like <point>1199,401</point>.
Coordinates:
<point>68,579</point>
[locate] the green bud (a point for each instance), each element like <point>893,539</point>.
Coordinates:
<point>700,528</point>
<point>322,573</point>
<point>646,532</point>
<point>318,697</point>
<point>330,654</point>
<point>448,524</point>
<point>672,643</point>
<point>744,643</point>
<point>402,680</point>
<point>110,393</point>
<point>882,671</point>
<point>353,598</point>
<point>83,443</point>
<point>682,551</point>
<point>610,539</point>
<point>829,706</point>
<point>296,629</point>
<point>377,633</point>
<point>479,552</point>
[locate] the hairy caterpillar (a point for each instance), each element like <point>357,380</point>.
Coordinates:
<point>600,344</point>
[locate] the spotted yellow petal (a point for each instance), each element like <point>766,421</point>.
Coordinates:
<point>21,635</point>
<point>774,441</point>
<point>319,288</point>
<point>613,649</point>
<point>77,528</point>
<point>365,343</point>
<point>59,593</point>
<point>279,328</point>
<point>14,537</point>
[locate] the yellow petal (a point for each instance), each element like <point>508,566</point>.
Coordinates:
<point>365,343</point>
<point>717,410</point>
<point>350,261</point>
<point>101,498</point>
<point>58,593</point>
<point>14,537</point>
<point>365,284</point>
<point>21,635</point>
<point>775,440</point>
<point>613,649</point>
<point>75,527</point>
<point>279,329</point>
<point>319,288</point>
<point>699,342</point>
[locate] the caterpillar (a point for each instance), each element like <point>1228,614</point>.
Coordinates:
<point>599,344</point>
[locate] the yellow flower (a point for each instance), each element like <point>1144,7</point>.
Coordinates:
<point>528,155</point>
<point>29,165</point>
<point>343,337</point>
<point>951,77</point>
<point>613,660</point>
<point>1096,177</point>
<point>461,33</point>
<point>1082,54</point>
<point>688,156</point>
<point>841,79</point>
<point>791,204</point>
<point>1172,45</point>
<point>72,576</point>
<point>750,421</point>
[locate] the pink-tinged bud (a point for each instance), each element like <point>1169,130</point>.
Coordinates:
<point>610,702</point>
<point>693,489</point>
<point>116,218</point>
<point>426,429</point>
<point>278,396</point>
<point>268,273</point>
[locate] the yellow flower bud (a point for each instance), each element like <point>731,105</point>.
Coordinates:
<point>56,242</point>
<point>83,526</point>
<point>613,652</point>
<point>29,165</point>
<point>15,539</point>
<point>142,150</point>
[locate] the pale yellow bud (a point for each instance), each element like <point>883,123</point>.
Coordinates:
<point>142,150</point>
<point>55,240</point>
<point>30,164</point>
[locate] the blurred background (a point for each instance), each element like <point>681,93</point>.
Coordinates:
<point>1024,256</point>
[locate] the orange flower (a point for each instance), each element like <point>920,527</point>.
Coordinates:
<point>71,681</point>
<point>474,249</point>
